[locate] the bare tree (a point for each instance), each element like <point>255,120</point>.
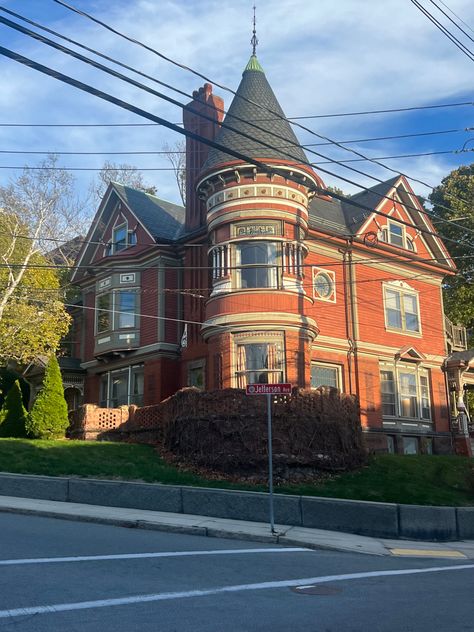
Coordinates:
<point>125,174</point>
<point>176,154</point>
<point>36,209</point>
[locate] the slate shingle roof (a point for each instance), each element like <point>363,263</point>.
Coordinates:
<point>162,219</point>
<point>271,129</point>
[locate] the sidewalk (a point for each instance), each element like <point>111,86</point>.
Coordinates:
<point>238,529</point>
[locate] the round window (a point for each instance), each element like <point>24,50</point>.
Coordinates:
<point>323,285</point>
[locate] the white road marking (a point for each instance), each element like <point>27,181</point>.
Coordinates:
<point>138,556</point>
<point>138,599</point>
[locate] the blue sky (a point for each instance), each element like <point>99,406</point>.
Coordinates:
<point>320,57</point>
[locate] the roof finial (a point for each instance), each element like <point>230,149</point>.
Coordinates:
<point>254,40</point>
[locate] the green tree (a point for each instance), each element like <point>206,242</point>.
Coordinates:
<point>48,418</point>
<point>453,200</point>
<point>35,208</point>
<point>13,414</point>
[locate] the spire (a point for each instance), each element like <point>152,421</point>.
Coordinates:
<point>254,40</point>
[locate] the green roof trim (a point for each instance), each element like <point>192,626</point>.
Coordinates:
<point>253,64</point>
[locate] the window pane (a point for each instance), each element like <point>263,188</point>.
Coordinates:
<point>136,393</point>
<point>103,391</point>
<point>387,387</point>
<point>408,395</point>
<point>396,234</point>
<point>324,376</point>
<point>411,312</point>
<point>104,315</point>
<point>259,363</point>
<point>125,309</point>
<point>259,257</point>
<point>393,309</point>
<point>120,238</point>
<point>425,397</point>
<point>119,388</point>
<point>410,445</point>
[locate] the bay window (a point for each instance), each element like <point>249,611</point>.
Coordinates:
<point>116,310</point>
<point>405,392</point>
<point>122,387</point>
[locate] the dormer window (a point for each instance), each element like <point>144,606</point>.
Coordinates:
<point>120,238</point>
<point>395,234</point>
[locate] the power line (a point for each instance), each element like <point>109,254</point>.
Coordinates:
<point>456,16</point>
<point>105,96</point>
<point>388,111</point>
<point>452,21</point>
<point>464,49</point>
<point>277,114</point>
<point>154,153</point>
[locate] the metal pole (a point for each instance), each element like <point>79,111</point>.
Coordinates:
<point>270,461</point>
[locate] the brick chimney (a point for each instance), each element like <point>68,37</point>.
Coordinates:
<point>204,102</point>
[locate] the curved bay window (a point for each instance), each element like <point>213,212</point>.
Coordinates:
<point>259,363</point>
<point>257,264</point>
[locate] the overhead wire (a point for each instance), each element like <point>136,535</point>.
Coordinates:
<point>258,163</point>
<point>260,106</point>
<point>94,91</point>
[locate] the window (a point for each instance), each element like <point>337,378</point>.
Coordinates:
<point>401,310</point>
<point>116,310</point>
<point>410,445</point>
<point>259,363</point>
<point>196,374</point>
<point>120,238</point>
<point>257,264</point>
<point>405,392</point>
<point>104,313</point>
<point>395,234</point>
<point>325,375</point>
<point>125,306</point>
<point>122,387</point>
<point>390,444</point>
<point>387,385</point>
<point>324,286</point>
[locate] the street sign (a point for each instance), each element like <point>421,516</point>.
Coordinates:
<point>268,389</point>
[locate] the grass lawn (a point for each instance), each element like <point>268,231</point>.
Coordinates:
<point>426,480</point>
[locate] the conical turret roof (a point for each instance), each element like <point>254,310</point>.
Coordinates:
<point>270,128</point>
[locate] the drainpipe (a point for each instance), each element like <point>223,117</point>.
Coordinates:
<point>351,329</point>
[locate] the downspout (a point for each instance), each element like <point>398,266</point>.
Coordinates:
<point>349,308</point>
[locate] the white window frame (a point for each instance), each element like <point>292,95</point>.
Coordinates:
<point>272,268</point>
<point>333,367</point>
<point>129,371</point>
<point>423,391</point>
<point>259,338</point>
<point>332,278</point>
<point>385,235</point>
<point>402,289</point>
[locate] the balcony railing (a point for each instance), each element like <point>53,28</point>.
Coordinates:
<point>456,336</point>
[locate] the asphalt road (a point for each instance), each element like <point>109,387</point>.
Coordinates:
<point>111,578</point>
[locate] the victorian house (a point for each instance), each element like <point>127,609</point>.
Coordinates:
<point>264,277</point>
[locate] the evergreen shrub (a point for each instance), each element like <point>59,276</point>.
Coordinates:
<point>48,418</point>
<point>13,414</point>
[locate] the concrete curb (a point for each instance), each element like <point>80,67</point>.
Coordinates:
<point>382,520</point>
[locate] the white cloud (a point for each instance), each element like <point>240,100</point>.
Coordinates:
<point>318,56</point>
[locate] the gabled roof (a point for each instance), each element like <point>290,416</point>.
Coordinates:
<point>270,125</point>
<point>371,197</point>
<point>162,219</point>
<point>327,215</point>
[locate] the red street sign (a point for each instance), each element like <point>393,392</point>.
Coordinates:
<point>268,389</point>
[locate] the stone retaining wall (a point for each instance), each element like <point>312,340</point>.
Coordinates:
<point>386,520</point>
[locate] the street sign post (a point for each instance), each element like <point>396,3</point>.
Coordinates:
<point>269,390</point>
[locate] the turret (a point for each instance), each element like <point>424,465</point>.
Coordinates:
<point>257,219</point>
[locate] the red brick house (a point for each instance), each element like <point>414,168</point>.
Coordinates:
<point>263,277</point>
